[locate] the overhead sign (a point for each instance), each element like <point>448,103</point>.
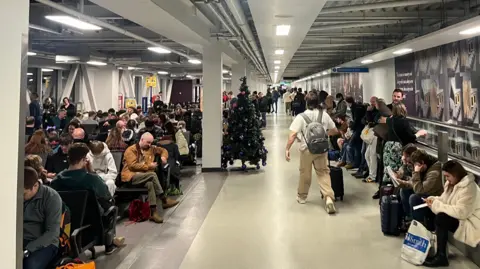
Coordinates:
<point>151,81</point>
<point>350,70</point>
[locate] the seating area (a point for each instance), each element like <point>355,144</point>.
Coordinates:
<point>105,137</point>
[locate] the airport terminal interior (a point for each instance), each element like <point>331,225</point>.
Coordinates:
<point>240,134</point>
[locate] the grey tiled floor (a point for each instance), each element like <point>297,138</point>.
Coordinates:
<point>251,220</point>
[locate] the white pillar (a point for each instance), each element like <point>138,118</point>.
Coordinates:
<point>238,72</point>
<point>14,31</point>
<point>212,108</point>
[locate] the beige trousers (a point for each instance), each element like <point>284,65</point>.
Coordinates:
<point>320,163</point>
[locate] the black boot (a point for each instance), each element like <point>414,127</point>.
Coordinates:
<point>440,259</point>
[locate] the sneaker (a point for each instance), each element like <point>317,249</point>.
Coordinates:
<point>376,195</point>
<point>301,200</point>
<point>109,250</point>
<point>330,206</point>
<point>155,217</point>
<point>168,203</point>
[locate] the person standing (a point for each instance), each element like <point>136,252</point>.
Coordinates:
<point>307,159</point>
<point>269,98</point>
<point>275,96</point>
<point>287,99</point>
<point>263,106</point>
<point>70,108</point>
<point>397,97</point>
<point>35,110</point>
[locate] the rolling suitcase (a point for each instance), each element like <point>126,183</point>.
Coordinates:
<point>390,215</point>
<point>336,177</point>
<point>386,190</point>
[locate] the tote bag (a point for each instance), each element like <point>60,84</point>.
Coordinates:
<point>417,244</point>
<point>90,265</point>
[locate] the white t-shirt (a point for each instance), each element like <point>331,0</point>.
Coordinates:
<point>299,125</point>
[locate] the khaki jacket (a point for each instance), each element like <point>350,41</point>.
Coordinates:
<point>136,161</point>
<point>431,183</point>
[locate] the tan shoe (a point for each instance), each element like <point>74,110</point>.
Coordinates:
<point>155,217</point>
<point>119,241</point>
<point>348,166</point>
<point>169,202</point>
<point>341,164</point>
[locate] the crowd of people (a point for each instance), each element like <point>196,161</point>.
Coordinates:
<point>378,140</point>
<point>67,151</point>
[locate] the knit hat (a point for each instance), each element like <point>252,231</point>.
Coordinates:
<point>127,135</point>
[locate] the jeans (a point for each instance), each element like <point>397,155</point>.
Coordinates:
<point>264,119</point>
<point>363,163</point>
<point>150,181</point>
<point>423,215</point>
<point>343,152</point>
<point>405,199</point>
<point>444,224</point>
<point>275,105</point>
<point>41,258</point>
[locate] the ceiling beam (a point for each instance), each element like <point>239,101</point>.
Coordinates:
<point>380,5</point>
<point>380,14</point>
<point>349,25</point>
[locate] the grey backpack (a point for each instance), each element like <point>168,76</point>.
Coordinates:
<point>315,134</point>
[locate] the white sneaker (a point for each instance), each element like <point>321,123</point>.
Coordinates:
<point>330,206</point>
<point>301,201</point>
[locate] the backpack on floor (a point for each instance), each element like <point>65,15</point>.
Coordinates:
<point>65,231</point>
<point>315,134</point>
<point>138,211</point>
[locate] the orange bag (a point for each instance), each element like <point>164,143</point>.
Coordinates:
<point>90,265</point>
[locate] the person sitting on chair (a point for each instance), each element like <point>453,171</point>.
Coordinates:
<point>80,176</point>
<point>103,164</point>
<point>42,211</point>
<point>139,168</point>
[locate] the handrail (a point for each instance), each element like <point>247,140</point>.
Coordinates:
<point>474,169</point>
<point>437,123</point>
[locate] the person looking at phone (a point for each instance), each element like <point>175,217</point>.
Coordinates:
<point>457,210</point>
<point>426,181</point>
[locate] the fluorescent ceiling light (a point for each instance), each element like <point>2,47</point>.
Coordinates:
<point>73,22</point>
<point>30,80</point>
<point>324,72</point>
<point>29,74</point>
<point>31,53</point>
<point>194,61</point>
<point>279,52</point>
<point>159,50</point>
<point>277,62</point>
<point>277,67</point>
<point>163,72</point>
<point>188,76</point>
<point>276,71</point>
<point>64,58</point>
<point>133,68</point>
<point>47,70</point>
<point>283,30</point>
<point>46,77</point>
<point>367,61</point>
<point>471,31</point>
<point>225,71</point>
<point>402,51</point>
<point>97,63</point>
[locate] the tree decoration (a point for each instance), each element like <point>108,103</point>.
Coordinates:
<point>244,139</point>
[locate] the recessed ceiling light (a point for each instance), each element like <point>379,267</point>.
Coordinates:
<point>367,61</point>
<point>133,68</point>
<point>276,71</point>
<point>277,67</point>
<point>97,63</point>
<point>31,53</point>
<point>277,62</point>
<point>159,50</point>
<point>30,80</point>
<point>283,30</point>
<point>471,31</point>
<point>224,71</point>
<point>402,51</point>
<point>279,52</point>
<point>163,72</point>
<point>194,61</point>
<point>73,22</point>
<point>189,76</point>
<point>47,70</point>
<point>325,72</point>
<point>29,74</point>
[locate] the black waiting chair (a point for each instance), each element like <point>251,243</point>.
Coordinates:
<point>88,227</point>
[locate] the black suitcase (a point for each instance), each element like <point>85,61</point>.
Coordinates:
<point>390,215</point>
<point>336,177</point>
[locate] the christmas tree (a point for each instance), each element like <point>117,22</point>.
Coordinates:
<point>244,139</point>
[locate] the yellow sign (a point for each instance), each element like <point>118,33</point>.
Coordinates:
<point>152,81</point>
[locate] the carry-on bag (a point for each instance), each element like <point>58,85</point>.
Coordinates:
<point>417,244</point>
<point>390,215</point>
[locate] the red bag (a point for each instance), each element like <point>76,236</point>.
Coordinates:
<point>139,211</point>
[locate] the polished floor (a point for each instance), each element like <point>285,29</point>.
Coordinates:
<point>251,220</point>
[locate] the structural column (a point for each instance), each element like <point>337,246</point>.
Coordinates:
<point>238,72</point>
<point>212,108</point>
<point>14,31</point>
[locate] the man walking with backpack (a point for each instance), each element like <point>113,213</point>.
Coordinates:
<point>313,128</point>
